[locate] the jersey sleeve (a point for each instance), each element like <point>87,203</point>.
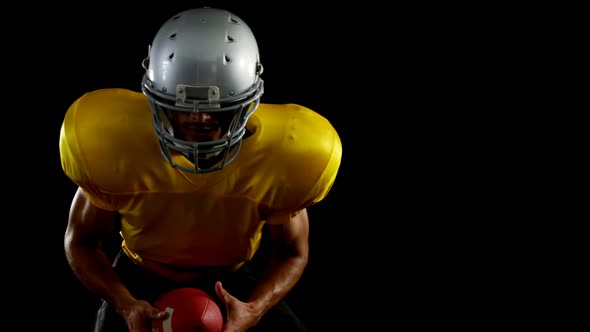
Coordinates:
<point>319,155</point>
<point>328,177</point>
<point>72,156</point>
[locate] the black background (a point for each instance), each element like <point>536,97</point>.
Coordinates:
<point>384,243</point>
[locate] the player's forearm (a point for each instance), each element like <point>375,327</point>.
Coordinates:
<point>93,268</point>
<point>280,278</point>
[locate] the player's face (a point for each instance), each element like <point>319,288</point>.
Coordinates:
<point>197,127</point>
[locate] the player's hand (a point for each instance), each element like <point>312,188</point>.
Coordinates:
<point>139,316</point>
<point>240,315</point>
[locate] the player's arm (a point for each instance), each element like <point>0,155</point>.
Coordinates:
<point>290,252</point>
<point>88,226</point>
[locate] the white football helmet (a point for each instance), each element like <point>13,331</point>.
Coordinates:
<point>203,60</point>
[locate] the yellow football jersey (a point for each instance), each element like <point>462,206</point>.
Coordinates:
<point>172,221</point>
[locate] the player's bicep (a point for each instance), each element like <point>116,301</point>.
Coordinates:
<point>292,237</point>
<point>88,224</point>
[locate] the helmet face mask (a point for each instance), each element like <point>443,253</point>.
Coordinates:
<point>203,60</point>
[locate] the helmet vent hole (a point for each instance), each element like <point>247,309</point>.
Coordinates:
<point>233,20</point>
<point>171,56</point>
<point>230,39</point>
<point>172,36</point>
<point>226,59</point>
<point>176,17</point>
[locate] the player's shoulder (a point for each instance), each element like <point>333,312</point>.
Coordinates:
<point>106,111</point>
<point>105,96</point>
<point>111,92</point>
<point>296,146</point>
<point>286,110</point>
<point>288,130</point>
<point>289,117</point>
<point>114,103</point>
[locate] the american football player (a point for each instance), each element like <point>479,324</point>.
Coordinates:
<point>189,172</point>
